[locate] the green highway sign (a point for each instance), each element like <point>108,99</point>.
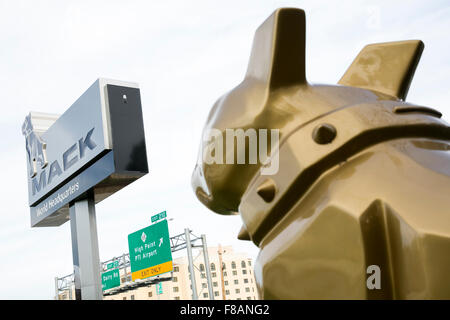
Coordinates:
<point>159,216</point>
<point>110,279</point>
<point>150,252</point>
<point>112,265</point>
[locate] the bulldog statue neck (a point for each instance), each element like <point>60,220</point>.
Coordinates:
<point>363,177</point>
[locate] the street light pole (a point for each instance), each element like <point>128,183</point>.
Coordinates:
<point>191,263</point>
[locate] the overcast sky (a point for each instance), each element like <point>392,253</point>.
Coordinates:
<point>184,55</point>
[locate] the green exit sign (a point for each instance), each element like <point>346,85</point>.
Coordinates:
<point>112,265</point>
<point>110,279</point>
<point>159,216</point>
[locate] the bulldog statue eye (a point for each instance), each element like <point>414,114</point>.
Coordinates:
<point>358,188</point>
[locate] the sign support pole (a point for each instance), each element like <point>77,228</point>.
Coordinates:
<point>191,263</point>
<point>207,267</point>
<point>86,260</point>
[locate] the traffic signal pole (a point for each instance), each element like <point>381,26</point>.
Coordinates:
<point>191,264</point>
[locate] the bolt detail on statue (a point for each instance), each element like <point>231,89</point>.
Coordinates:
<point>358,207</point>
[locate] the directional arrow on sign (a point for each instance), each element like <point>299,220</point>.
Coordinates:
<point>160,242</point>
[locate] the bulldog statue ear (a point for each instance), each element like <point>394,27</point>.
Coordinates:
<point>278,52</point>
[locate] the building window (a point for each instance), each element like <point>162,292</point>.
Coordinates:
<point>243,264</point>
<point>233,265</point>
<point>225,282</point>
<point>245,280</point>
<point>237,291</point>
<point>236,281</point>
<point>223,266</point>
<point>175,289</point>
<point>225,274</point>
<point>227,291</point>
<point>202,275</point>
<point>234,273</point>
<point>216,293</point>
<point>202,267</point>
<point>175,279</point>
<point>204,285</point>
<point>124,298</point>
<point>214,284</point>
<point>205,295</point>
<point>249,262</point>
<point>176,269</point>
<point>213,267</point>
<point>247,289</point>
<point>150,294</point>
<point>132,297</point>
<point>244,271</point>
<point>177,298</point>
<point>249,298</point>
<point>213,274</point>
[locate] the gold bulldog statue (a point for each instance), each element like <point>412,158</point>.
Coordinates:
<point>357,205</point>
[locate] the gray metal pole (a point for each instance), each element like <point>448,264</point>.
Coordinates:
<point>208,269</point>
<point>191,264</point>
<point>86,260</point>
<point>56,289</point>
